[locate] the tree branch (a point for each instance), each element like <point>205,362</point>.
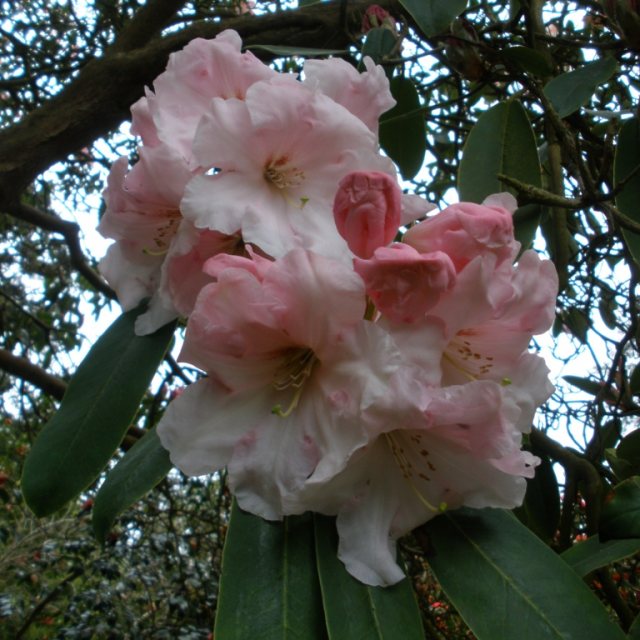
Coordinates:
<point>99,98</point>
<point>26,370</point>
<point>577,467</point>
<point>147,23</point>
<point>71,233</point>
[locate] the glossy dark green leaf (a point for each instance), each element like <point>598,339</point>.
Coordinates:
<point>634,380</point>
<point>378,44</point>
<point>634,630</point>
<point>506,583</point>
<point>402,129</point>
<point>578,323</point>
<point>589,555</point>
<point>526,220</point>
<point>269,586</point>
<point>625,171</point>
<point>434,16</point>
<point>139,470</point>
<point>584,384</point>
<point>540,510</point>
<point>100,403</point>
<point>356,611</point>
<point>286,52</point>
<point>569,91</point>
<point>621,468</point>
<point>502,142</point>
<point>528,60</point>
<point>620,516</point>
<point>629,448</point>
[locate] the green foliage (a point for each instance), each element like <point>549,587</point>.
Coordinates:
<point>569,91</point>
<point>139,471</point>
<point>379,44</point>
<point>478,554</point>
<point>540,510</point>
<point>627,176</point>
<point>585,557</point>
<point>434,16</point>
<point>353,609</point>
<point>402,128</point>
<point>102,399</point>
<point>502,142</point>
<point>621,512</point>
<point>269,586</point>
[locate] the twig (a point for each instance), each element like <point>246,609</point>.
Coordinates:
<point>71,233</point>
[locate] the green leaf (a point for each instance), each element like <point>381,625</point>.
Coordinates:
<point>634,380</point>
<point>634,630</point>
<point>506,583</point>
<point>578,323</point>
<point>269,585</point>
<point>502,141</point>
<point>540,510</point>
<point>589,555</point>
<point>285,52</point>
<point>526,220</point>
<point>434,16</point>
<point>354,610</point>
<point>528,60</point>
<point>378,44</point>
<point>629,448</point>
<point>584,384</point>
<point>620,467</point>
<point>621,513</point>
<point>569,91</point>
<point>402,129</point>
<point>100,403</point>
<point>140,469</point>
<point>625,170</point>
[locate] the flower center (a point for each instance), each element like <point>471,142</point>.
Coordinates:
<point>294,370</point>
<point>281,176</point>
<point>164,233</point>
<point>409,473</point>
<point>461,354</point>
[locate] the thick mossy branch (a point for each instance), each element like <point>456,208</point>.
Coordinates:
<point>99,98</point>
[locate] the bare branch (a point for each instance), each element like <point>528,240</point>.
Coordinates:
<point>26,370</point>
<point>71,233</point>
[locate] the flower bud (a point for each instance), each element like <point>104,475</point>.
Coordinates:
<point>403,283</point>
<point>367,210</point>
<point>464,231</point>
<point>376,16</point>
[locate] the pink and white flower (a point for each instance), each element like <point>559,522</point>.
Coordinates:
<point>279,156</point>
<point>365,94</point>
<point>291,392</point>
<point>154,246</point>
<point>203,70</point>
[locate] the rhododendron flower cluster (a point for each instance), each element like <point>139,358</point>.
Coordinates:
<point>353,367</point>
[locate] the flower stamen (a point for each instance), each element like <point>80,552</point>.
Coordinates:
<point>281,176</point>
<point>294,370</point>
<point>407,473</point>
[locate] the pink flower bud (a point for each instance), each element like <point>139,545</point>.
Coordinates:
<point>376,16</point>
<point>403,283</point>
<point>464,231</point>
<point>367,210</point>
